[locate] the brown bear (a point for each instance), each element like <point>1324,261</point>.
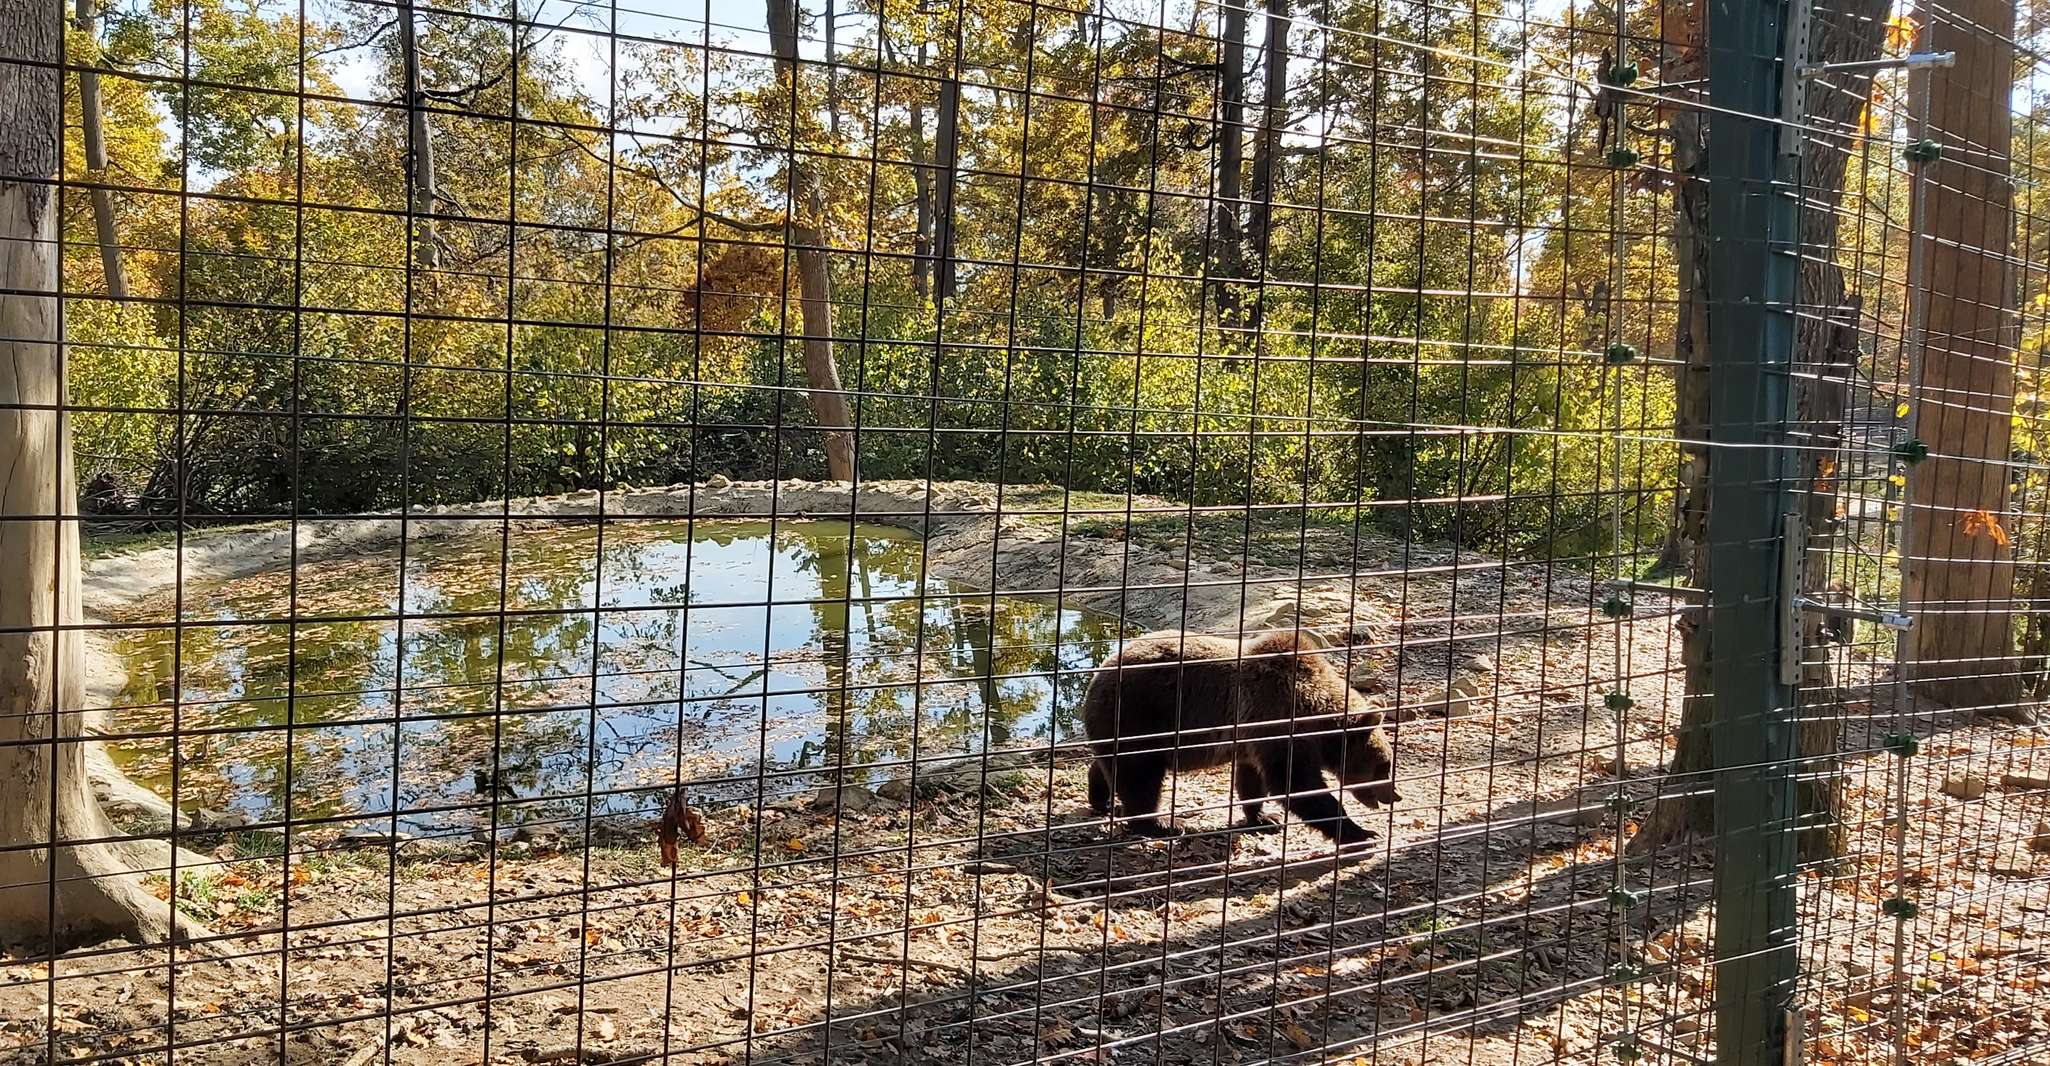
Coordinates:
<point>1280,714</point>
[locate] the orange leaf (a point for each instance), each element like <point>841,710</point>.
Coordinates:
<point>1901,32</point>
<point>1979,523</point>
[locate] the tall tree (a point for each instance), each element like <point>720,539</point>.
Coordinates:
<point>1958,571</point>
<point>1825,351</point>
<point>48,888</point>
<point>922,187</point>
<point>92,125</point>
<point>1226,253</point>
<point>807,230</point>
<point>1267,149</point>
<point>419,145</point>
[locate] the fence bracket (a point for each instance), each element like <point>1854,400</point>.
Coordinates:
<point>1794,87</point>
<point>1893,620</point>
<point>1906,62</point>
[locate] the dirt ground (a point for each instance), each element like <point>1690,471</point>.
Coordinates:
<point>977,913</point>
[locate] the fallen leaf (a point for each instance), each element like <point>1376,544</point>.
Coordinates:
<point>1979,523</point>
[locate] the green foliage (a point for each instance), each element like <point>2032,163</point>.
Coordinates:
<point>622,309</point>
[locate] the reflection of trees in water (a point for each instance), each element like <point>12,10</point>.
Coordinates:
<point>504,702</point>
<point>999,667</point>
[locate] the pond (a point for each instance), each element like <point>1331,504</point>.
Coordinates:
<point>741,660</point>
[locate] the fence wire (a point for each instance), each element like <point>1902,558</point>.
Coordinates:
<point>561,531</point>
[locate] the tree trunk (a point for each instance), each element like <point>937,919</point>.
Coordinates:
<point>1825,355</point>
<point>1958,579</point>
<point>1273,120</point>
<point>1225,252</point>
<point>948,141</point>
<point>57,894</point>
<point>1689,806</point>
<point>1826,336</point>
<point>815,284</point>
<point>93,123</point>
<point>921,184</point>
<point>420,146</point>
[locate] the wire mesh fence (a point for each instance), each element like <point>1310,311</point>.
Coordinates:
<point>1009,531</point>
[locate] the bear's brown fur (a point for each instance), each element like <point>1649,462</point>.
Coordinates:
<point>1280,714</point>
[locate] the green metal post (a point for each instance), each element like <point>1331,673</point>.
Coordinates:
<point>1752,287</point>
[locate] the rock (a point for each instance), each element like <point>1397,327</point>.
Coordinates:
<point>202,820</point>
<point>2025,782</point>
<point>1583,814</point>
<point>850,798</point>
<point>896,789</point>
<point>1607,766</point>
<point>536,834</point>
<point>1458,699</point>
<point>1585,818</point>
<point>1479,664</point>
<point>1965,786</point>
<point>2040,842</point>
<point>718,481</point>
<point>1857,969</point>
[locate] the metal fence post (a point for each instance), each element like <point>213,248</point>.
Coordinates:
<point>1752,276</point>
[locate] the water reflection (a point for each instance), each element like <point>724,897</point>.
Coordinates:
<point>703,653</point>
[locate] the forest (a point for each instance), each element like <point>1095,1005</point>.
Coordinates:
<point>377,257</point>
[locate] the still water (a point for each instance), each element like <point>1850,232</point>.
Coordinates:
<point>708,652</point>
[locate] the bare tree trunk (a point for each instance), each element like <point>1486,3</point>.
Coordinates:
<point>933,180</point>
<point>420,152</point>
<point>815,284</point>
<point>1958,577</point>
<point>1226,249</point>
<point>47,892</point>
<point>1689,807</point>
<point>949,142</point>
<point>1273,119</point>
<point>1826,338</point>
<point>93,121</point>
<point>921,184</point>
<point>1826,350</point>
